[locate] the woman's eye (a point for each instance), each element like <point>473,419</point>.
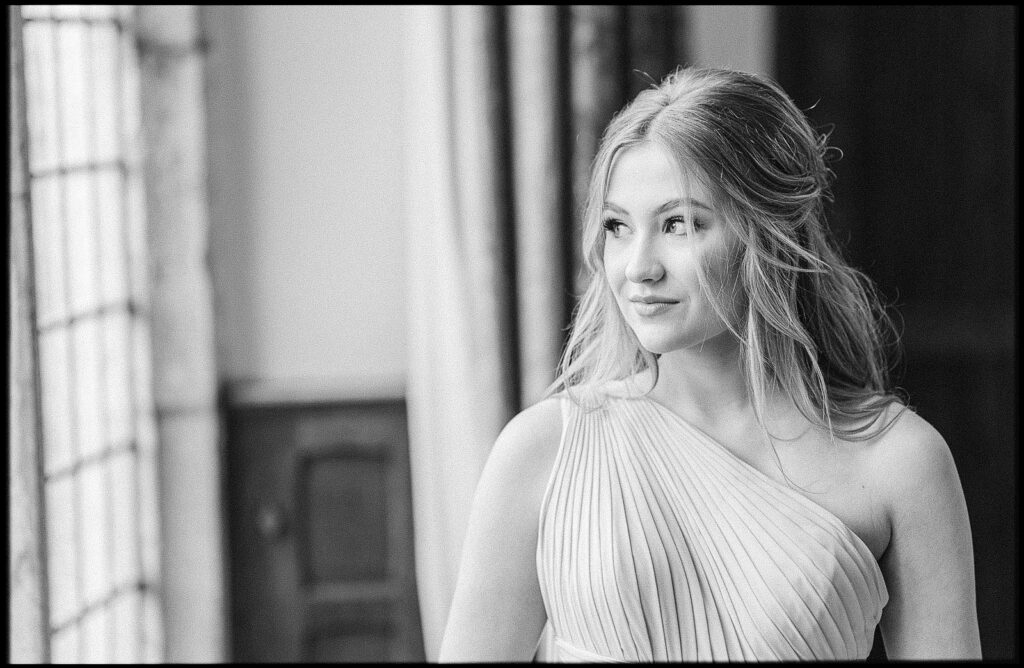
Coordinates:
<point>679,226</point>
<point>616,227</point>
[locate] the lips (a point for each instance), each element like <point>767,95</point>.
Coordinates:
<point>652,305</point>
<point>653,299</point>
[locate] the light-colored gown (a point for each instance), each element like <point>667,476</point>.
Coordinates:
<point>656,543</point>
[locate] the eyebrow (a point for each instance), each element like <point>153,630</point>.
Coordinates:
<point>671,204</point>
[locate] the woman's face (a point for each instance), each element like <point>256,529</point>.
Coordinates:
<point>651,254</point>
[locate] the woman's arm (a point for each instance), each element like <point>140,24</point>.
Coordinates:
<point>929,564</point>
<point>497,613</point>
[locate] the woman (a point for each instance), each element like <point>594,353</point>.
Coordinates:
<point>726,473</point>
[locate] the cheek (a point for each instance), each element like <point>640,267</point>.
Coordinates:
<point>724,278</point>
<point>614,271</point>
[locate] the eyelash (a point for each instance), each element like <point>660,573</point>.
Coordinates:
<point>611,223</point>
<point>697,224</point>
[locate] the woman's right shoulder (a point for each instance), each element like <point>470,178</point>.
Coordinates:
<point>510,491</point>
<point>525,449</point>
<point>535,430</point>
<point>497,607</point>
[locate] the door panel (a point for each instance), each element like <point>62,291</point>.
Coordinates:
<point>320,533</point>
<point>342,499</point>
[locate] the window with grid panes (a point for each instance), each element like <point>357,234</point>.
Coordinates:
<point>93,333</point>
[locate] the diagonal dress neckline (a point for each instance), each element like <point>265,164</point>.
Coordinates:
<point>847,532</point>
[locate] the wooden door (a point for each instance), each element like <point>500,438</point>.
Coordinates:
<point>924,105</point>
<point>320,533</point>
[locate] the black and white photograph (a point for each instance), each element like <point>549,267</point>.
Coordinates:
<point>512,333</point>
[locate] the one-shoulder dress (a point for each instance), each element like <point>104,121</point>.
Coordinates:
<point>656,543</point>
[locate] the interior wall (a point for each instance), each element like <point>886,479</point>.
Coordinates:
<point>307,247</point>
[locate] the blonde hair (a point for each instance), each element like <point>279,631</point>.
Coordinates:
<point>811,326</point>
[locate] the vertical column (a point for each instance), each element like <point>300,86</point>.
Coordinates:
<point>184,367</point>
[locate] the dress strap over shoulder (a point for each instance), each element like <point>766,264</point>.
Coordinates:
<point>566,403</point>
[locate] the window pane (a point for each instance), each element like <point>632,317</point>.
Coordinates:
<point>116,337</point>
<point>124,504</point>
<point>68,11</point>
<point>41,95</point>
<point>88,396</point>
<point>126,13</point>
<point>61,550</point>
<point>137,255</point>
<point>153,637</point>
<point>142,383</point>
<point>96,634</point>
<point>50,255</point>
<point>36,11</point>
<point>105,43</point>
<point>64,645</point>
<point>81,227</point>
<point>130,96</point>
<point>100,11</point>
<point>112,237</point>
<point>95,532</point>
<point>148,517</point>
<point>58,452</point>
<point>145,431</point>
<point>88,207</point>
<point>71,90</point>
<point>124,617</point>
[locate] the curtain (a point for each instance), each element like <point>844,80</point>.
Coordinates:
<point>504,107</point>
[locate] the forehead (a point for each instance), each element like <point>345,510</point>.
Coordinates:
<point>646,172</point>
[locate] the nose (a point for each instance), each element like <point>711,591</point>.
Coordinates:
<point>644,263</point>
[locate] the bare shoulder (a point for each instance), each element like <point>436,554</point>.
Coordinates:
<point>497,610</point>
<point>929,563</point>
<point>525,449</point>
<point>504,515</point>
<point>911,439</point>
<point>912,461</point>
<point>532,433</point>
<point>536,423</point>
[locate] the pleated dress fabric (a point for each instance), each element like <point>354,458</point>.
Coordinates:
<point>656,543</point>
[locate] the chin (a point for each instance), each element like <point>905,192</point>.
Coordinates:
<point>658,344</point>
<point>660,348</point>
<point>661,340</point>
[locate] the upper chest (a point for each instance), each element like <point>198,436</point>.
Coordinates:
<point>840,477</point>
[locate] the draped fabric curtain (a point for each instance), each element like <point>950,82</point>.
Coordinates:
<point>504,111</point>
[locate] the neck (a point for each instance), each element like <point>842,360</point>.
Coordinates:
<point>706,382</point>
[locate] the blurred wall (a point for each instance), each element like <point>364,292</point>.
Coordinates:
<point>307,245</point>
